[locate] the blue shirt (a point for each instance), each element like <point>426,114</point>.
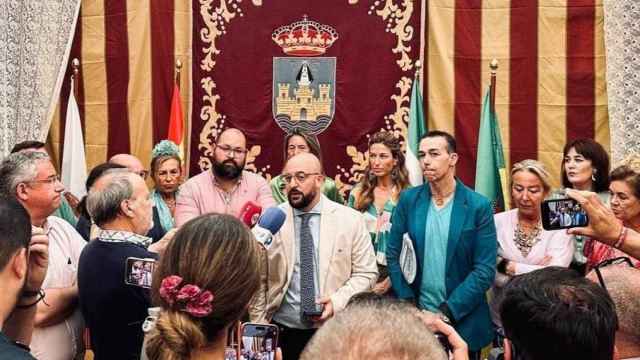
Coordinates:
<point>433,290</point>
<point>289,312</point>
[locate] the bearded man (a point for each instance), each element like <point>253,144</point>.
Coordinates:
<point>319,259</point>
<point>227,187</point>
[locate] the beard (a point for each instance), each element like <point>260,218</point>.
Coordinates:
<point>227,169</point>
<point>303,202</point>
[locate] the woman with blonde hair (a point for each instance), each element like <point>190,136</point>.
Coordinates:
<point>523,245</point>
<point>166,172</point>
<point>377,193</point>
<point>203,285</point>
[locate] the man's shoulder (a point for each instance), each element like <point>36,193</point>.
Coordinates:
<point>475,199</point>
<point>196,180</point>
<point>252,178</point>
<point>67,230</point>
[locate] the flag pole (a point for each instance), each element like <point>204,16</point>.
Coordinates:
<point>494,70</point>
<point>178,68</point>
<point>75,65</point>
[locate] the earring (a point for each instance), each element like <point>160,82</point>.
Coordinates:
<point>394,174</point>
<point>593,176</point>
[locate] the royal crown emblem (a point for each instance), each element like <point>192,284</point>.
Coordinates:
<point>305,38</point>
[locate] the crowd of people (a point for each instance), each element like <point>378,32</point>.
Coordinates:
<point>129,273</point>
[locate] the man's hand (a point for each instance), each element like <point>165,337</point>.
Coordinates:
<point>435,323</point>
<point>162,244</point>
<point>327,311</point>
<point>603,224</point>
<point>383,286</point>
<point>546,260</point>
<point>38,259</point>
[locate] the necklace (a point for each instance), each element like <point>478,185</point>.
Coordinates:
<point>525,240</point>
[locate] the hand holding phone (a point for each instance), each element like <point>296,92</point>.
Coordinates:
<point>562,213</point>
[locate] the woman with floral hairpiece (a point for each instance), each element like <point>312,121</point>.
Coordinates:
<point>377,193</point>
<point>200,296</point>
<point>166,172</point>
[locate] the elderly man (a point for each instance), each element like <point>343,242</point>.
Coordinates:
<point>120,204</point>
<point>622,282</point>
<point>31,178</point>
<point>323,252</point>
<point>452,230</point>
<point>135,166</point>
<point>227,187</point>
<point>23,267</point>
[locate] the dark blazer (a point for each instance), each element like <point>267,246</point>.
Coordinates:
<point>470,263</point>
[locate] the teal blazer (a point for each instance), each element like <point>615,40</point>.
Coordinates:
<point>471,257</point>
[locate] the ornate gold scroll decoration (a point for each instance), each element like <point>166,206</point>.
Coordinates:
<point>216,22</point>
<point>397,18</point>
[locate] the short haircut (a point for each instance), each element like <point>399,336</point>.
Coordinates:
<point>15,229</point>
<point>18,168</point>
<point>375,330</point>
<point>555,313</point>
<point>104,204</point>
<point>593,151</point>
<point>27,145</point>
<point>451,141</point>
<point>623,285</point>
<point>629,172</point>
<point>94,175</point>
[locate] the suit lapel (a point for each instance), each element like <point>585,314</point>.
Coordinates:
<point>421,211</point>
<point>458,217</point>
<point>326,242</point>
<point>288,236</point>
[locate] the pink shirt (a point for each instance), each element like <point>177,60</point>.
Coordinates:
<point>201,195</point>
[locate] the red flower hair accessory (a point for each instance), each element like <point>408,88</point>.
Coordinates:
<point>189,297</point>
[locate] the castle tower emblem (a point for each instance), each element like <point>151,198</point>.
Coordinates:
<point>304,84</point>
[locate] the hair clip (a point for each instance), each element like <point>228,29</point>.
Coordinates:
<point>188,297</point>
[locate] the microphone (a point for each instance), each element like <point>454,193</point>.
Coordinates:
<point>268,225</point>
<point>250,213</point>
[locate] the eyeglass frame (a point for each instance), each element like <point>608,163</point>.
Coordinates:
<point>231,151</point>
<point>614,261</point>
<point>49,181</point>
<point>288,178</point>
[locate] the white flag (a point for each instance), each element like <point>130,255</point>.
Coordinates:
<point>74,165</point>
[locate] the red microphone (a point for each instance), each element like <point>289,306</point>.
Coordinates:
<point>250,213</point>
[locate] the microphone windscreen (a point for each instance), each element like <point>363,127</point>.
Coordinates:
<point>272,219</point>
<point>250,213</point>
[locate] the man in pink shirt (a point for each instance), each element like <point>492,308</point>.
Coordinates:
<point>227,187</point>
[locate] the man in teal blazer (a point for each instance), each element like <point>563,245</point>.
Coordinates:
<point>454,236</point>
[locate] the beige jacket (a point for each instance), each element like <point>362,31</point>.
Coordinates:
<point>347,262</point>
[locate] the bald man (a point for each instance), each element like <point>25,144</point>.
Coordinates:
<point>227,187</point>
<point>323,252</point>
<point>623,285</point>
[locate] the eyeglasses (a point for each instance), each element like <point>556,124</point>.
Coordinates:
<point>614,261</point>
<point>50,180</point>
<point>229,151</point>
<point>300,177</point>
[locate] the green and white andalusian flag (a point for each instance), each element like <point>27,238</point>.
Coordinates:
<point>417,128</point>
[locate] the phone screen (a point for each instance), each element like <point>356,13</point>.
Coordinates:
<point>258,342</point>
<point>138,272</point>
<point>563,214</point>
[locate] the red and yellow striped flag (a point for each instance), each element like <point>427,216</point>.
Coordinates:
<point>551,79</point>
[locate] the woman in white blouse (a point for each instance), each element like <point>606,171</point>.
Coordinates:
<point>523,245</point>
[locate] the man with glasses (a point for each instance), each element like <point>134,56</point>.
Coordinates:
<point>622,281</point>
<point>68,201</point>
<point>30,178</point>
<point>227,187</point>
<point>319,259</point>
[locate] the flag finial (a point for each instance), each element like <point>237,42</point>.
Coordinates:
<point>75,65</point>
<point>494,66</point>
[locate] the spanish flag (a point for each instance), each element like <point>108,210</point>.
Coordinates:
<point>176,133</point>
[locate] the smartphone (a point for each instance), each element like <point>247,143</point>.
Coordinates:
<point>258,341</point>
<point>316,312</point>
<point>563,214</point>
<point>138,272</point>
<point>232,350</point>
